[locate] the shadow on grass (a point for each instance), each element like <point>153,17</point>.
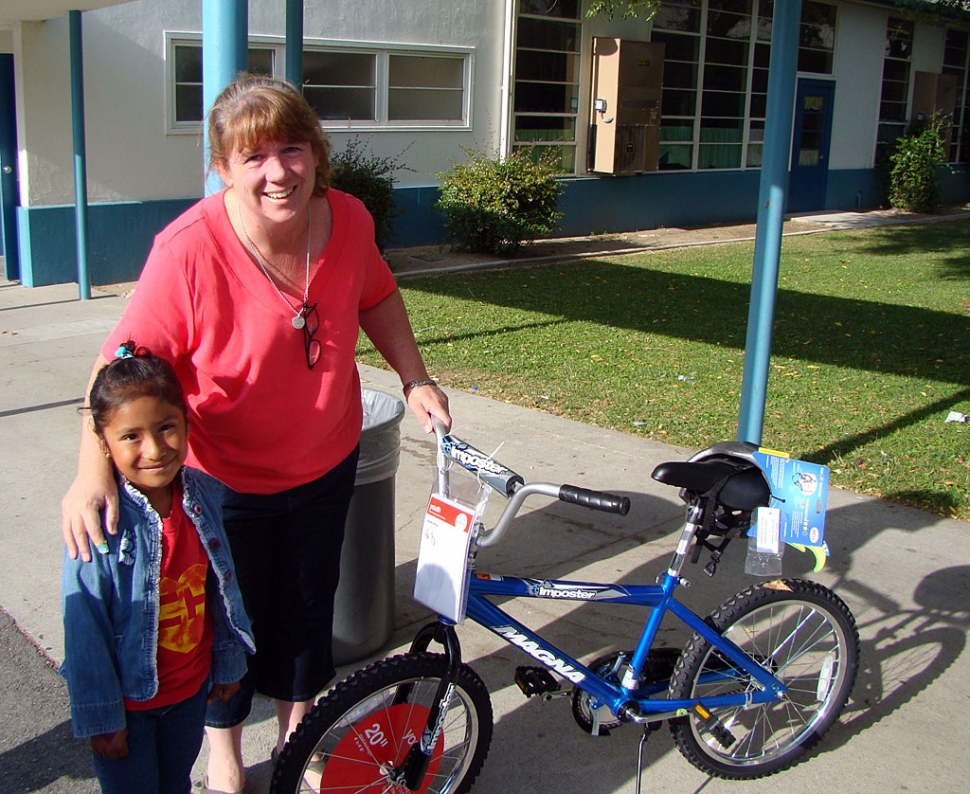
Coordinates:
<point>932,238</point>
<point>848,444</point>
<point>840,331</point>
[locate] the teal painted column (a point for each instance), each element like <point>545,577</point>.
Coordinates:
<point>294,42</point>
<point>80,166</point>
<point>782,69</point>
<point>225,53</point>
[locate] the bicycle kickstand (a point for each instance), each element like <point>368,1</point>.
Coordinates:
<point>648,728</point>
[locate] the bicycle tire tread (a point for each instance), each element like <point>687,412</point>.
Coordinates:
<point>365,683</point>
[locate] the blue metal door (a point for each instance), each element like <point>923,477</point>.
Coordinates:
<point>9,192</point>
<point>810,145</point>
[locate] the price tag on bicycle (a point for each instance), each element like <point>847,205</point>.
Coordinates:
<point>448,533</point>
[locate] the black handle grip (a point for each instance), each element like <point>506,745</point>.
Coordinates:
<point>595,500</point>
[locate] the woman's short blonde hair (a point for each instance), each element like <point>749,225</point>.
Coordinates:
<point>256,109</point>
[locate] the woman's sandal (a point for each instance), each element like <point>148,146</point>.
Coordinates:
<point>207,790</point>
<point>314,770</point>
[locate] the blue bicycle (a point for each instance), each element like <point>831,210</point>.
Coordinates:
<point>753,690</point>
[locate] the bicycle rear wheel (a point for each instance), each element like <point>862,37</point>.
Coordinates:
<point>807,637</point>
<point>354,738</point>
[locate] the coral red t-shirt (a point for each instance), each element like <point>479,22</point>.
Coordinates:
<point>184,654</point>
<point>261,420</point>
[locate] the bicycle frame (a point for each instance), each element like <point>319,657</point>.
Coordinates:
<point>659,598</point>
<point>628,699</point>
<point>740,706</point>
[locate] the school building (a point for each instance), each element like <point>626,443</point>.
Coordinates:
<point>653,123</point>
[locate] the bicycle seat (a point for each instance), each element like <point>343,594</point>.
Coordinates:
<point>742,485</point>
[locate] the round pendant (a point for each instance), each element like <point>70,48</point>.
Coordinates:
<point>298,322</point>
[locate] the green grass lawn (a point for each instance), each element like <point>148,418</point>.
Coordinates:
<point>871,349</point>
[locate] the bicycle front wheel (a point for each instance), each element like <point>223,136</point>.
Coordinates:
<point>356,738</point>
<point>806,636</point>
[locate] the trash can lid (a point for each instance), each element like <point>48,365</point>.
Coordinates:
<point>380,409</point>
<point>380,437</point>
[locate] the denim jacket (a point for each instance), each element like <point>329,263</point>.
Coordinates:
<point>110,607</point>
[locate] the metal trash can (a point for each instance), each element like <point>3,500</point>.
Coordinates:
<point>363,619</point>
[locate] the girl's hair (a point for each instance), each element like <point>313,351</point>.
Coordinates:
<point>136,372</point>
<point>256,109</point>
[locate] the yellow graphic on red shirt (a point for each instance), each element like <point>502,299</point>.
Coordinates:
<point>181,617</point>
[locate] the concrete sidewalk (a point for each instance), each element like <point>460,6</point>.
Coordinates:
<point>905,573</point>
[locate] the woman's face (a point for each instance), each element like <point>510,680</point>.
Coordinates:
<point>272,181</point>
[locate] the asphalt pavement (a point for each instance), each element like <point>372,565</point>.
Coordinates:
<point>905,574</point>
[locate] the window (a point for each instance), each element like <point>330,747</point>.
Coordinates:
<point>341,85</point>
<point>186,60</point>
<point>424,87</point>
<point>715,90</point>
<point>894,99</point>
<point>816,38</point>
<point>955,62</point>
<point>371,87</point>
<point>677,25</point>
<point>713,84</point>
<point>388,88</point>
<point>727,54</point>
<point>547,62</point>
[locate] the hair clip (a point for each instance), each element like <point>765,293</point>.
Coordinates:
<point>124,352</point>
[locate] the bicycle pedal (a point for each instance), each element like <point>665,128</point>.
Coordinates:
<point>535,681</point>
<point>714,726</point>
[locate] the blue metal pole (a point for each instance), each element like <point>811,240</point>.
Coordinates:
<point>294,42</point>
<point>80,169</point>
<point>225,53</point>
<point>782,68</point>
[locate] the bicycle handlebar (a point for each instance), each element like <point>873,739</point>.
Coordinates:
<point>596,500</point>
<point>513,487</point>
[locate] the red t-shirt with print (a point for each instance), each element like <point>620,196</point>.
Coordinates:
<point>184,654</point>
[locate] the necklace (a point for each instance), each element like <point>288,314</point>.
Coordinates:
<point>299,312</point>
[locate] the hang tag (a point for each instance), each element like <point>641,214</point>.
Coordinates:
<point>446,536</point>
<point>769,522</point>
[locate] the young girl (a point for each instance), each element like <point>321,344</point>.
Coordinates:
<point>154,626</point>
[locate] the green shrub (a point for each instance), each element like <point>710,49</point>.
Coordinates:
<point>492,206</point>
<point>371,179</point>
<point>914,170</point>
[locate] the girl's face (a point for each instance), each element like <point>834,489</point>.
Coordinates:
<point>148,440</point>
<point>273,181</point>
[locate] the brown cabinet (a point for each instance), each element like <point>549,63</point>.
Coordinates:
<point>624,134</point>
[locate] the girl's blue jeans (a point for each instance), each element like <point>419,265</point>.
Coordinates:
<point>163,744</point>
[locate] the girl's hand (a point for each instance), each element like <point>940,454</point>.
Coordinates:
<point>110,745</point>
<point>223,692</point>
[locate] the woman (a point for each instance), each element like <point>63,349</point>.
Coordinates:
<point>256,294</point>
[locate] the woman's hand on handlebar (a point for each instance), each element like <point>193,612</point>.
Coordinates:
<point>429,404</point>
<point>94,490</point>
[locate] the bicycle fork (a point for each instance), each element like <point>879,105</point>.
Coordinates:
<point>411,773</point>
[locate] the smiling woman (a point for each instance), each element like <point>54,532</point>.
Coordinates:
<point>257,295</point>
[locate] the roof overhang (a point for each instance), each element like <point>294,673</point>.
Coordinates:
<point>12,11</point>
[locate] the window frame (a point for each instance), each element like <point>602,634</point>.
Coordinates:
<point>568,149</point>
<point>960,123</point>
<point>885,124</point>
<point>175,39</point>
<point>705,119</point>
<point>382,54</point>
<point>722,81</point>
